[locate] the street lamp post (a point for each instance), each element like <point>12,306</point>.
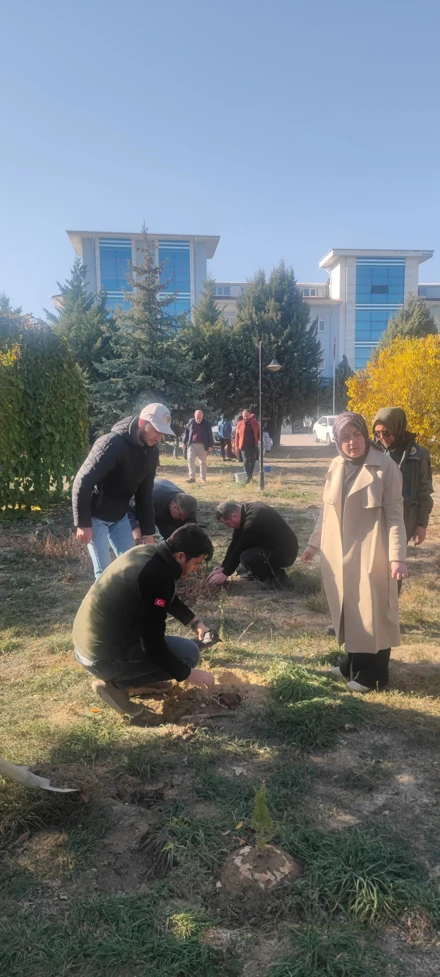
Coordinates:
<point>273,366</point>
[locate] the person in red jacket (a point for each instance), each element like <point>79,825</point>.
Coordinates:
<point>247,438</point>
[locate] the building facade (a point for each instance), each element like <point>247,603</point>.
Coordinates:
<point>365,287</point>
<point>364,290</point>
<point>108,256</point>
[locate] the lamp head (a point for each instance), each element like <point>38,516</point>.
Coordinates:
<point>274,366</point>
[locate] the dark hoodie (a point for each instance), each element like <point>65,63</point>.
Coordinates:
<point>116,468</point>
<point>415,465</point>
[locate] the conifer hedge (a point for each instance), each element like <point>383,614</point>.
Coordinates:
<point>43,414</point>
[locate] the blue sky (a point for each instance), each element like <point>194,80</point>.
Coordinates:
<point>287,128</point>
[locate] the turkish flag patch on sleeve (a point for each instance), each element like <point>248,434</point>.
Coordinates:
<point>160,602</point>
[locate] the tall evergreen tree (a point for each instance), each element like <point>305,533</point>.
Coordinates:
<point>413,321</point>
<point>6,307</point>
<point>272,310</point>
<point>147,362</point>
<point>343,373</point>
<point>207,343</point>
<point>207,313</point>
<point>84,321</point>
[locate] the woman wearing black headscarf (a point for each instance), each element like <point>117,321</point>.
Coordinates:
<point>390,428</point>
<point>362,541</point>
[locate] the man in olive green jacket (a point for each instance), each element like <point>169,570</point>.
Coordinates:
<point>119,630</point>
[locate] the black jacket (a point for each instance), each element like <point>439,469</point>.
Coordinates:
<point>208,439</point>
<point>260,526</point>
<point>128,605</point>
<point>415,464</point>
<point>164,492</point>
<point>116,468</point>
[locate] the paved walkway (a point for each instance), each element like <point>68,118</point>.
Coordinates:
<point>297,440</point>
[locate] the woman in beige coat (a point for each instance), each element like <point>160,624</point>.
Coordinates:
<point>361,536</point>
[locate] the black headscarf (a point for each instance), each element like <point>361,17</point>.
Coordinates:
<point>394,418</point>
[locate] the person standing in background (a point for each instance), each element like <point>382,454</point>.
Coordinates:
<point>224,436</point>
<point>247,438</point>
<point>198,440</point>
<point>390,428</point>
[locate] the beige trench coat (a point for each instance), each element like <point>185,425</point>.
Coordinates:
<point>356,552</point>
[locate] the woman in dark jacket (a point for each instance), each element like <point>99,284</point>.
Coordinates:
<point>390,428</point>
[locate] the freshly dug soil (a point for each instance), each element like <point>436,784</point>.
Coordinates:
<point>251,872</point>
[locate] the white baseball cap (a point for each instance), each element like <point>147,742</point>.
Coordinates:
<point>159,417</point>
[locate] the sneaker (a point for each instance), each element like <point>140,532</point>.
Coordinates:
<point>357,687</point>
<point>331,632</point>
<point>118,699</point>
<point>190,481</point>
<point>336,672</point>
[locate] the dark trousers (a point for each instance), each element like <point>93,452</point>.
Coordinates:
<point>266,564</point>
<point>137,670</point>
<point>226,443</point>
<point>249,459</point>
<point>368,670</point>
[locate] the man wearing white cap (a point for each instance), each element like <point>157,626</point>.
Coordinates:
<point>120,464</point>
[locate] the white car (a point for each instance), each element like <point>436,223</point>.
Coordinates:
<point>323,428</point>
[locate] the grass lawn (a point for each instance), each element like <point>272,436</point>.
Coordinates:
<point>122,878</point>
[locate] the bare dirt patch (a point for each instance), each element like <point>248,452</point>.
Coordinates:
<point>252,872</point>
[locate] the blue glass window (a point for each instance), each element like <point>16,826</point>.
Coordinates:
<point>371,323</point>
<point>175,258</point>
<point>115,258</point>
<point>113,301</point>
<point>379,283</point>
<point>175,275</point>
<point>362,356</point>
<point>179,307</point>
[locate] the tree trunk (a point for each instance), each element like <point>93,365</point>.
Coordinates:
<point>276,436</point>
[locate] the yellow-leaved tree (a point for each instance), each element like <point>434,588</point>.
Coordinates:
<point>404,374</point>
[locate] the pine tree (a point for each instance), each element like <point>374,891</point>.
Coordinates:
<point>262,822</point>
<point>6,307</point>
<point>147,363</point>
<point>207,343</point>
<point>413,321</point>
<point>207,313</point>
<point>272,310</point>
<point>83,320</point>
<point>342,374</point>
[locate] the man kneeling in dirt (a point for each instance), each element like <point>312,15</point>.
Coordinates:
<point>119,630</point>
<point>262,542</point>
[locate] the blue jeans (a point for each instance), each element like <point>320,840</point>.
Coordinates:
<point>118,535</point>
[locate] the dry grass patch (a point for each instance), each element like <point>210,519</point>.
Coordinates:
<point>351,782</point>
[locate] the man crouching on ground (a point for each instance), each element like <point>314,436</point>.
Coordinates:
<point>119,630</point>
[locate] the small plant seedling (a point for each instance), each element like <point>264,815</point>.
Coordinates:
<point>262,822</point>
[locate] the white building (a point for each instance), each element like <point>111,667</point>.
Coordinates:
<point>184,258</point>
<point>365,288</point>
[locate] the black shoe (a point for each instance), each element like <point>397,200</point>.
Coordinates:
<point>331,632</point>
